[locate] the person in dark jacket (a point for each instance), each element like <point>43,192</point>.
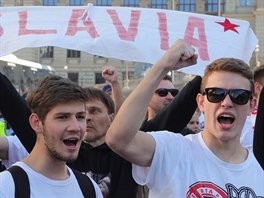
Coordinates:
<point>111,172</point>
<point>258,142</point>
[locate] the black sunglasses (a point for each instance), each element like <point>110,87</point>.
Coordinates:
<point>238,96</point>
<point>162,92</point>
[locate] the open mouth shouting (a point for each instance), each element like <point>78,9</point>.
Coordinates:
<point>71,142</point>
<point>226,120</point>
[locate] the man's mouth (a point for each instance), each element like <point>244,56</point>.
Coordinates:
<point>225,119</point>
<point>71,141</point>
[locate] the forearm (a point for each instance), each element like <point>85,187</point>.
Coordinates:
<point>124,136</point>
<point>16,111</point>
<point>117,95</point>
<point>3,148</point>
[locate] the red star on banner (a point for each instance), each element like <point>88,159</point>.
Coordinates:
<point>228,25</point>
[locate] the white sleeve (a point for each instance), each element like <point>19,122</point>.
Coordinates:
<point>164,160</point>
<point>16,151</point>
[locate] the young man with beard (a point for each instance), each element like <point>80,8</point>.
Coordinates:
<point>111,172</point>
<point>210,163</point>
<point>59,120</point>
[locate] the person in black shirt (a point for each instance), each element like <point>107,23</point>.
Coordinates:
<point>111,172</point>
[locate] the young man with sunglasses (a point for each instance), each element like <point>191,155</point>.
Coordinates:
<point>211,163</point>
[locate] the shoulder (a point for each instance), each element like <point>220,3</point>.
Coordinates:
<point>252,159</point>
<point>7,187</point>
<point>79,176</point>
<point>169,136</point>
<point>166,140</point>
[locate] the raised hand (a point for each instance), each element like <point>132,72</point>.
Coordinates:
<point>180,55</point>
<point>109,73</point>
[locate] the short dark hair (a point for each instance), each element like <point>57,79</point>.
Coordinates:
<point>98,94</point>
<point>54,90</point>
<point>229,65</point>
<point>259,74</point>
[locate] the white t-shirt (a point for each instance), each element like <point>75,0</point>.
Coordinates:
<point>185,167</point>
<point>41,186</point>
<point>16,151</point>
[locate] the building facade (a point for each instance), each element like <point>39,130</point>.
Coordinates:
<point>85,69</point>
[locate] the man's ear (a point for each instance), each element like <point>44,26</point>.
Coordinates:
<point>111,117</point>
<point>200,101</point>
<point>257,88</point>
<point>35,123</point>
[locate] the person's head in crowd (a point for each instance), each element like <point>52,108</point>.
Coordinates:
<point>226,98</point>
<point>108,89</point>
<point>58,117</point>
<point>163,96</point>
<point>258,80</point>
<point>101,112</point>
<point>194,123</point>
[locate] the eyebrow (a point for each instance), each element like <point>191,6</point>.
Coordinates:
<point>69,113</point>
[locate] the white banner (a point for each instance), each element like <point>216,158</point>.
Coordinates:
<point>132,34</point>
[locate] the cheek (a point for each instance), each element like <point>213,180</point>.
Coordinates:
<point>246,110</point>
<point>158,99</point>
<point>83,126</point>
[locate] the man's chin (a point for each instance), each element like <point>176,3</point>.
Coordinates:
<point>71,159</point>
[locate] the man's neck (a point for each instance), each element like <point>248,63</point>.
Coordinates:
<point>95,143</point>
<point>53,169</point>
<point>230,152</point>
<point>151,114</point>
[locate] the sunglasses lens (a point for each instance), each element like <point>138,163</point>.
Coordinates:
<point>240,96</point>
<point>215,95</point>
<point>162,92</point>
<point>174,92</point>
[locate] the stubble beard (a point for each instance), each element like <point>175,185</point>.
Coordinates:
<point>54,154</point>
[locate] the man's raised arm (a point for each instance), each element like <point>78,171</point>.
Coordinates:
<point>123,135</point>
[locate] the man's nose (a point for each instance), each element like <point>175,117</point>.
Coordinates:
<point>227,102</point>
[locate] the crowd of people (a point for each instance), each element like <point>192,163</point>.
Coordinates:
<point>150,144</point>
